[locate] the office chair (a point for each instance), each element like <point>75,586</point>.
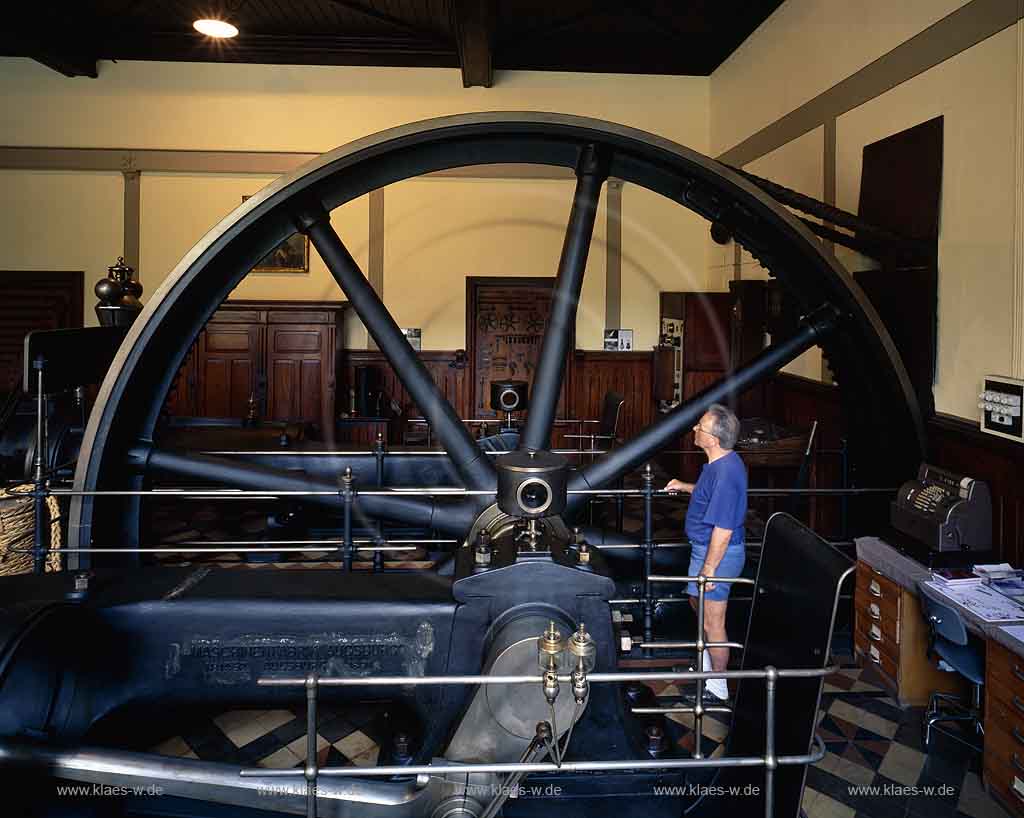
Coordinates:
<point>957,652</point>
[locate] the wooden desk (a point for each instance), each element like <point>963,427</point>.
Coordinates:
<point>889,580</point>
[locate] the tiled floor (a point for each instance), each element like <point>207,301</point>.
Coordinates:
<point>870,742</point>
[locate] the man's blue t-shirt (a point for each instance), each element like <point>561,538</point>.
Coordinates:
<point>719,499</point>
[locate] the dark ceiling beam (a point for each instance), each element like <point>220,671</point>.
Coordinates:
<point>323,49</point>
<point>473,26</point>
<point>381,17</point>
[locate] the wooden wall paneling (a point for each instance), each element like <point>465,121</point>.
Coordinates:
<point>631,374</point>
<point>300,373</point>
<point>953,443</point>
<point>505,321</point>
<point>229,368</point>
<point>797,402</point>
<point>960,446</point>
<point>34,300</point>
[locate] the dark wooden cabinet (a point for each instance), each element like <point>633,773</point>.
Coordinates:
<point>284,355</point>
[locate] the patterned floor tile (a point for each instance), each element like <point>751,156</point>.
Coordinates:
<point>825,807</point>
<point>354,744</point>
<point>862,718</point>
<point>175,747</point>
<point>846,769</point>
<point>975,802</point>
<point>283,759</point>
<point>902,764</point>
<point>298,747</point>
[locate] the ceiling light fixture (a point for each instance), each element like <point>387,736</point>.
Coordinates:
<point>215,28</point>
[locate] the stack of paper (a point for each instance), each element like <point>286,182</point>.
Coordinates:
<point>996,570</point>
<point>955,576</point>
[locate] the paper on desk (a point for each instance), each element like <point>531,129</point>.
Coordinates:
<point>1016,631</point>
<point>982,601</point>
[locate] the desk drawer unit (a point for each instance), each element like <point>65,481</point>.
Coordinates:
<point>1004,725</point>
<point>877,601</point>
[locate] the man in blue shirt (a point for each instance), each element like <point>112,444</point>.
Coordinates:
<point>714,526</point>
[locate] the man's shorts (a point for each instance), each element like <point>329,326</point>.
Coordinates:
<point>730,566</point>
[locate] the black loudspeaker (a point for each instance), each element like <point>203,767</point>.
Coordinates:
<point>367,386</point>
<point>509,396</point>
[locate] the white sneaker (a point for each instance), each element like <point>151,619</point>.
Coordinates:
<point>716,687</point>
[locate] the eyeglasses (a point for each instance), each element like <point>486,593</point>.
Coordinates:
<point>699,428</point>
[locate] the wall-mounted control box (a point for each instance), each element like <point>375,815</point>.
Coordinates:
<point>1000,402</point>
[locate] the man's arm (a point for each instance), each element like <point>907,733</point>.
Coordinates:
<point>675,485</point>
<point>716,550</point>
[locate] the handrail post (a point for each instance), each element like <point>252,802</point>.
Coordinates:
<point>770,760</point>
<point>698,707</point>
<point>311,770</point>
<point>648,544</point>
<point>41,538</point>
<point>348,497</point>
<point>379,450</point>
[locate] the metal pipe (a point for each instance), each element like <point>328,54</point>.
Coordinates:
<point>688,645</point>
<point>179,550</point>
<point>605,470</point>
<point>698,710</point>
<point>662,711</point>
<point>769,742</point>
<point>591,172</point>
<point>348,497</point>
<point>271,494</point>
<point>732,580</point>
<point>549,767</point>
<point>610,676</point>
<point>310,770</point>
<point>648,545</point>
<point>212,781</point>
<point>41,537</point>
<point>475,469</point>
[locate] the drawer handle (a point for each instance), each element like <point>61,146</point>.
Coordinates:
<point>877,659</point>
<point>1017,672</point>
<point>876,633</point>
<point>874,612</point>
<point>1015,761</point>
<point>1017,735</point>
<point>1018,703</point>
<point>874,588</point>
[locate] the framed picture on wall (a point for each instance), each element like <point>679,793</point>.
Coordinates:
<point>290,256</point>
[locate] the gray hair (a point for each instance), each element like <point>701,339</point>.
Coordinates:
<point>724,425</point>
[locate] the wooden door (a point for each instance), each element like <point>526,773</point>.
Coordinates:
<point>229,369</point>
<point>300,373</point>
<point>707,332</point>
<point>505,322</point>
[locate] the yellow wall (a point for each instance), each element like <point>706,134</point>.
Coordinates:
<point>437,231</point>
<point>178,209</point>
<point>806,47</point>
<point>62,221</point>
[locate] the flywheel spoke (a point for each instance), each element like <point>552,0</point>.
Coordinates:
<point>547,380</point>
<point>634,452</point>
<point>473,467</point>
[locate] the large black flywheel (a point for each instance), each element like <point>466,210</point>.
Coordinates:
<point>118,453</point>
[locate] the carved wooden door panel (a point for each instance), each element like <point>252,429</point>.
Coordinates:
<point>300,373</point>
<point>506,318</point>
<point>229,364</point>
